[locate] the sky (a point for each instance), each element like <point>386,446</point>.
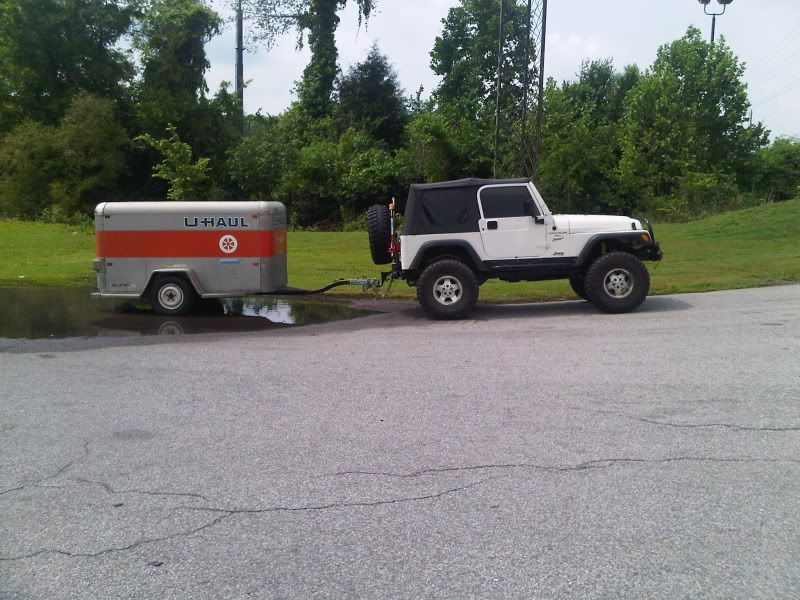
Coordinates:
<point>765,34</point>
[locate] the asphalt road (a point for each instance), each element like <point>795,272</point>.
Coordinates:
<point>539,451</point>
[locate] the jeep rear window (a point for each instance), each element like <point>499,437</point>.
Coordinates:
<point>506,201</point>
<point>435,211</point>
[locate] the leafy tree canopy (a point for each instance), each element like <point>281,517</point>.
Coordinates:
<point>370,98</point>
<point>688,113</point>
<point>320,19</point>
<point>465,56</point>
<point>50,50</point>
<point>187,178</point>
<point>778,169</point>
<point>171,38</point>
<point>581,147</point>
<point>70,166</point>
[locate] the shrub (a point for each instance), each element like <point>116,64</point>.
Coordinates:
<point>188,179</point>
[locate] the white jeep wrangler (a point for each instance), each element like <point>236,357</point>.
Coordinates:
<point>459,234</point>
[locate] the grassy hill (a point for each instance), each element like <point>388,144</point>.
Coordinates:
<point>746,248</point>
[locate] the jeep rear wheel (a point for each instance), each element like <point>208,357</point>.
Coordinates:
<point>617,282</point>
<point>380,234</point>
<point>447,289</point>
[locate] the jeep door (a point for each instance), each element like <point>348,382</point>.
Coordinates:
<point>508,224</point>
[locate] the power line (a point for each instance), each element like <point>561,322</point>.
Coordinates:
<point>779,47</point>
<point>777,71</point>
<point>778,93</point>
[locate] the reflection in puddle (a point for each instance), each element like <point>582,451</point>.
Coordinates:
<point>55,313</point>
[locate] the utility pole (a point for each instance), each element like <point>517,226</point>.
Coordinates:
<point>525,82</point>
<point>497,101</point>
<point>240,61</point>
<point>540,100</point>
<point>531,146</point>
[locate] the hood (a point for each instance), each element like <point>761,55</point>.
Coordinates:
<point>600,223</point>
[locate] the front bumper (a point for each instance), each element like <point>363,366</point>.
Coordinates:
<point>654,252</point>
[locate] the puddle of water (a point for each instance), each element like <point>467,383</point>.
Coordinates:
<point>57,313</point>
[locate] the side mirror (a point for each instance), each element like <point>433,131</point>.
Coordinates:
<point>539,219</point>
<point>530,207</point>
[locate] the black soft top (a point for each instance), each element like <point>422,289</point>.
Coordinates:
<point>447,206</point>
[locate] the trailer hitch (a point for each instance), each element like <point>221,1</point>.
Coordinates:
<point>365,283</point>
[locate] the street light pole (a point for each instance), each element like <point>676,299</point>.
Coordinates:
<point>714,15</point>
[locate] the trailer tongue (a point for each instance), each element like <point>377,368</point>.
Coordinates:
<point>365,284</point>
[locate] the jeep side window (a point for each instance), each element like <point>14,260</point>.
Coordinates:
<point>507,201</point>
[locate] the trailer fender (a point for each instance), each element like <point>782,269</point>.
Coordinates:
<point>186,272</point>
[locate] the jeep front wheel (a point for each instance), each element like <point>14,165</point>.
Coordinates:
<point>447,289</point>
<point>577,281</point>
<point>617,282</point>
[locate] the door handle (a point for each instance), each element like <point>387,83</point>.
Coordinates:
<point>491,224</point>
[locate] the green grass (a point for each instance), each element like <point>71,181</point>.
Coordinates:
<point>747,248</point>
<point>44,254</point>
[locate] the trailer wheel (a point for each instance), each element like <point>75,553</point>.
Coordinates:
<point>380,233</point>
<point>171,295</point>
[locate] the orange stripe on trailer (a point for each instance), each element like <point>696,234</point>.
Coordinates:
<point>190,244</point>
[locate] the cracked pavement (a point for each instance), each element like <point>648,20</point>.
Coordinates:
<point>536,451</point>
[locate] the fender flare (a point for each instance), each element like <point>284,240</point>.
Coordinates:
<point>460,244</point>
<point>627,238</point>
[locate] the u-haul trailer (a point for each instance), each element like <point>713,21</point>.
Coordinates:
<point>173,252</point>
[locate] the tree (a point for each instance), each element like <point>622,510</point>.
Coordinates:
<point>187,178</point>
<point>600,90</point>
<point>69,166</point>
<point>368,173</point>
<point>50,50</point>
<point>370,98</point>
<point>465,56</point>
<point>171,39</point>
<point>576,173</point>
<point>29,162</point>
<point>262,157</point>
<point>92,144</point>
<point>310,185</point>
<point>578,170</point>
<point>440,148</point>
<point>778,175</point>
<point>687,114</point>
<point>319,175</point>
<point>320,19</point>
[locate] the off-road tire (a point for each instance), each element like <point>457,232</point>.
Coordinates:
<point>447,289</point>
<point>617,282</point>
<point>380,234</point>
<point>172,295</point>
<point>577,282</point>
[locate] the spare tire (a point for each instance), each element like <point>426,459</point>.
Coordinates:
<point>380,233</point>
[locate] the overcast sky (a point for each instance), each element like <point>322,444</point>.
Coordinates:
<point>763,33</point>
